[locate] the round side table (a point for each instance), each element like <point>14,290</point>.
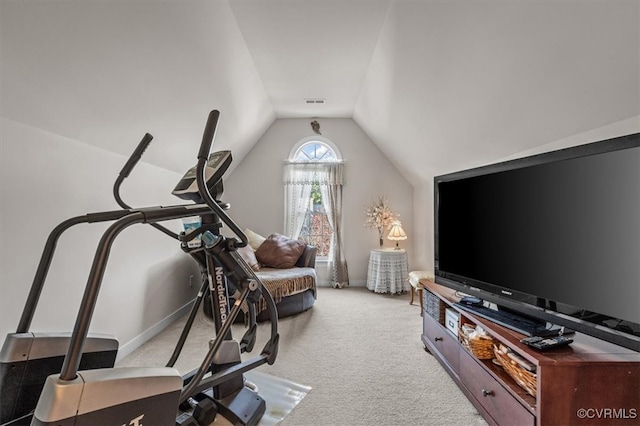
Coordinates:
<point>388,271</point>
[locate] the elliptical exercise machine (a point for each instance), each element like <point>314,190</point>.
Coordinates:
<point>160,396</point>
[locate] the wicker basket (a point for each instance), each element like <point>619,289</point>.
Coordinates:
<point>433,306</point>
<point>481,348</point>
<point>524,378</point>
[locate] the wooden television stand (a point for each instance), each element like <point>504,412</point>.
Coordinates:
<point>590,382</point>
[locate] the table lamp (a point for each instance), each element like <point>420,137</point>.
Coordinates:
<point>397,233</point>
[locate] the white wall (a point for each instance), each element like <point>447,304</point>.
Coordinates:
<point>255,188</point>
<point>46,179</point>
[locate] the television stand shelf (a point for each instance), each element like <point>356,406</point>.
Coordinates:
<point>590,382</point>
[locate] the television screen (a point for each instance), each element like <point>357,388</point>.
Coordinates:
<point>559,230</point>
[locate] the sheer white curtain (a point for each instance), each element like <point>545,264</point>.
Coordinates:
<point>298,179</point>
<point>330,180</point>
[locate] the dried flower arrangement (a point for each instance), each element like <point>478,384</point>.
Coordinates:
<point>380,216</point>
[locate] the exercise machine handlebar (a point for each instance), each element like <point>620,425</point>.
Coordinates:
<point>203,155</point>
<point>137,154</point>
<point>124,173</point>
<point>81,328</point>
<point>52,241</point>
<point>47,256</point>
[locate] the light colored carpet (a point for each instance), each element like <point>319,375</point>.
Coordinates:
<point>359,351</point>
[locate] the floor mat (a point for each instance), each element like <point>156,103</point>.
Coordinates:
<point>281,395</point>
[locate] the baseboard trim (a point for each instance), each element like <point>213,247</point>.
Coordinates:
<point>141,339</point>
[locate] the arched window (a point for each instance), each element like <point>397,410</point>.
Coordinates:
<point>313,200</point>
<point>316,229</point>
<point>314,151</point>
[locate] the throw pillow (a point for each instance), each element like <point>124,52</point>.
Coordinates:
<point>278,251</point>
<point>249,256</point>
<point>255,240</point>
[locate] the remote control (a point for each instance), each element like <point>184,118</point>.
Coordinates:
<point>546,343</point>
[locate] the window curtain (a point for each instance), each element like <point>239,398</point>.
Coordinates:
<point>299,178</point>
<point>297,186</point>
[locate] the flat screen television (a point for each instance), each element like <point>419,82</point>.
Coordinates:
<point>554,237</point>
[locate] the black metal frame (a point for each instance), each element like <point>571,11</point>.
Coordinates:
<point>219,252</point>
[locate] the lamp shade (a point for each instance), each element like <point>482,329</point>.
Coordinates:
<point>397,233</point>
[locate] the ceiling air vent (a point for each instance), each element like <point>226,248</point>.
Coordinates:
<point>314,100</point>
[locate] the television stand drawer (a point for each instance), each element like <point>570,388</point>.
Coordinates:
<point>489,393</point>
<point>443,341</point>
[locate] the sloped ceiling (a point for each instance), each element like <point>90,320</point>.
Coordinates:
<point>107,72</point>
<point>437,85</point>
<point>459,84</point>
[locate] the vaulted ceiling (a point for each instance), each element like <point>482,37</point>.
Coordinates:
<point>437,85</point>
